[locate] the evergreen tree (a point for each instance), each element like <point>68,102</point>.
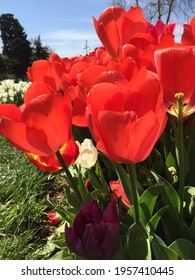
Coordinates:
<point>16,47</point>
<point>38,51</point>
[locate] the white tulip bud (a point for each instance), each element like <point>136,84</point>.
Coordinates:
<point>87,154</point>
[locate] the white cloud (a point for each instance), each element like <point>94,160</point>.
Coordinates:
<point>76,19</point>
<point>69,35</point>
<point>70,42</point>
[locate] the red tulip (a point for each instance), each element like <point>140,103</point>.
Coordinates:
<point>84,80</point>
<point>36,89</point>
<point>89,186</point>
<point>95,234</point>
<point>53,219</point>
<point>188,36</point>
<point>115,27</point>
<point>42,126</point>
<point>126,122</point>
<point>48,71</point>
<point>69,153</point>
<point>160,28</point>
<point>176,68</point>
<point>161,36</point>
<point>118,191</point>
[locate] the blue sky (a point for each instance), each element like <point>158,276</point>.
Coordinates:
<point>64,25</point>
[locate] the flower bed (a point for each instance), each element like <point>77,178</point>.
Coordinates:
<point>12,92</point>
<point>118,124</point>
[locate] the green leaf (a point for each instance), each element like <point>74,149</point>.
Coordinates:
<point>184,248</point>
<point>187,232</point>
<point>71,199</point>
<point>90,196</point>
<point>119,254</point>
<point>185,158</point>
<point>147,203</point>
<point>81,186</point>
<point>62,255</point>
<point>94,180</point>
<point>137,246</point>
<point>169,197</point>
<point>171,159</point>
<point>158,163</point>
<point>66,214</point>
<point>60,229</point>
<point>170,220</point>
<point>48,248</point>
<point>164,253</point>
<point>60,243</point>
<point>124,179</point>
<point>161,251</point>
<point>153,222</point>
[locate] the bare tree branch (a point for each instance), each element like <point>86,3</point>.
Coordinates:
<point>166,10</point>
<point>121,3</point>
<point>170,9</point>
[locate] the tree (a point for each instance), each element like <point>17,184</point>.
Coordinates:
<point>121,3</point>
<point>16,47</point>
<point>38,50</point>
<point>165,10</point>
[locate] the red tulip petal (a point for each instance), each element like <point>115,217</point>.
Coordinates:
<point>10,111</point>
<point>176,68</point>
<point>128,141</point>
<point>36,89</point>
<point>50,114</point>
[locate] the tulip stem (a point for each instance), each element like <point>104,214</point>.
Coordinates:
<point>180,146</point>
<point>133,182</point>
<point>71,180</point>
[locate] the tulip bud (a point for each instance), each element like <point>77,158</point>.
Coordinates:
<point>89,186</point>
<point>118,191</point>
<point>95,234</point>
<point>87,154</point>
<point>53,219</point>
<point>192,206</point>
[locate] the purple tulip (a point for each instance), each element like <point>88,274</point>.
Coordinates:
<point>95,234</point>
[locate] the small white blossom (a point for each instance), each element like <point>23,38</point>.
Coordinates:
<point>4,100</point>
<point>87,154</point>
<point>173,172</point>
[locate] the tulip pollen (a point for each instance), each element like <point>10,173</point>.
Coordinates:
<point>179,95</point>
<point>174,108</point>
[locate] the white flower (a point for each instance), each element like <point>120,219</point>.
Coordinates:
<point>4,100</point>
<point>9,89</point>
<point>87,154</point>
<point>8,83</point>
<point>11,92</point>
<point>4,94</point>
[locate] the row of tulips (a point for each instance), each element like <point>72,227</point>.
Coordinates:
<point>12,92</point>
<point>133,98</point>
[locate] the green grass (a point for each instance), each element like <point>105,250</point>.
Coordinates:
<point>23,205</point>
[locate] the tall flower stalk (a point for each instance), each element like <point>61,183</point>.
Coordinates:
<point>71,180</point>
<point>133,182</point>
<point>180,146</point>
